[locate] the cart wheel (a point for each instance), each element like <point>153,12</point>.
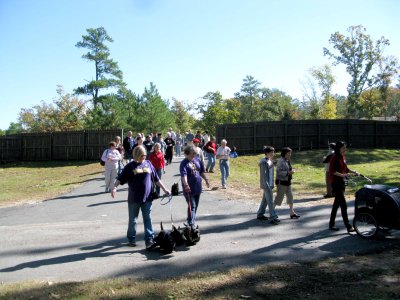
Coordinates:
<point>365,224</point>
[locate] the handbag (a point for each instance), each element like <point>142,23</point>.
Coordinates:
<point>153,194</point>
<point>102,162</point>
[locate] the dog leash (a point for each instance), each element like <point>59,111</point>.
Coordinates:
<point>170,205</point>
<point>190,206</point>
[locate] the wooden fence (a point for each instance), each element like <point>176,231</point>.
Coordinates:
<point>310,134</point>
<point>72,145</point>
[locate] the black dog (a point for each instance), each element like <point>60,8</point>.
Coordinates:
<point>175,189</point>
<point>192,234</point>
<point>167,240</point>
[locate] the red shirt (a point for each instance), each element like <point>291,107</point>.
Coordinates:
<point>212,145</point>
<point>157,160</point>
<point>337,164</point>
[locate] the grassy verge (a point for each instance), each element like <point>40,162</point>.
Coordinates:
<point>381,165</point>
<point>350,277</point>
<point>30,181</point>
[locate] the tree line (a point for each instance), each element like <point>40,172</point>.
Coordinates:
<point>109,103</point>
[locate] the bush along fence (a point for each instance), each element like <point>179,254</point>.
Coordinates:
<point>310,134</point>
<point>71,145</point>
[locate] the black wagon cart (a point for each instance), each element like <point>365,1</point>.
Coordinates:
<point>376,207</point>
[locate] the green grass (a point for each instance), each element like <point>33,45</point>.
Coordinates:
<point>28,181</point>
<point>380,165</point>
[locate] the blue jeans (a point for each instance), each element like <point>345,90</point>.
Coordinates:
<point>194,204</point>
<point>267,200</point>
<point>211,161</point>
<point>224,167</point>
<point>133,209</point>
<point>159,173</point>
<point>178,150</point>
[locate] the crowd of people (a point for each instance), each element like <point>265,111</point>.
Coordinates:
<point>141,163</point>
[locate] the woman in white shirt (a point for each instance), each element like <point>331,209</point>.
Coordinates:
<point>111,157</point>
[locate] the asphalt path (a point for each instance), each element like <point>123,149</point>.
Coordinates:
<point>82,236</point>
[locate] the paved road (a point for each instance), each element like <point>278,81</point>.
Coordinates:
<point>81,236</point>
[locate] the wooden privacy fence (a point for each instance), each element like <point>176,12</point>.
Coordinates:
<point>310,134</point>
<point>71,145</point>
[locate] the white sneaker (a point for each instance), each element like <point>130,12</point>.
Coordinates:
<point>224,186</point>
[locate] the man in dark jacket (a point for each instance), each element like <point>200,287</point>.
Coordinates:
<point>128,146</point>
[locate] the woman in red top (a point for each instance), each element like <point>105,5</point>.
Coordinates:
<point>338,172</point>
<point>157,160</point>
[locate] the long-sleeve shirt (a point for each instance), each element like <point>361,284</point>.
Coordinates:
<point>283,168</point>
<point>266,173</point>
<point>111,158</point>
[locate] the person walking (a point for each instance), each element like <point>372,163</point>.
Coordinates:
<point>169,150</point>
<point>139,174</point>
<point>120,149</point>
<point>189,138</point>
<point>178,144</point>
<point>338,173</point>
<point>148,144</point>
<point>211,149</point>
<point>192,172</point>
<point>111,157</point>
<point>197,148</point>
<point>128,146</point>
<point>267,185</point>
<point>284,174</point>
<point>223,152</point>
<point>157,160</point>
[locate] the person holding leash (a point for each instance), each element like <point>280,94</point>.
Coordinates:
<point>192,173</point>
<point>139,174</point>
<point>338,173</point>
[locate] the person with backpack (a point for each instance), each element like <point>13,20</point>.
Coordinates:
<point>284,175</point>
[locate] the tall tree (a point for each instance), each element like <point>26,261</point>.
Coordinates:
<point>153,112</point>
<point>249,93</point>
<point>107,73</point>
<point>360,54</point>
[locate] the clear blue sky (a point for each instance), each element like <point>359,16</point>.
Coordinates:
<point>186,48</point>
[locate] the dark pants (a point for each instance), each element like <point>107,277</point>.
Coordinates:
<point>338,190</point>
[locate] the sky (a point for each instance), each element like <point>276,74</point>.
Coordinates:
<point>186,48</point>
